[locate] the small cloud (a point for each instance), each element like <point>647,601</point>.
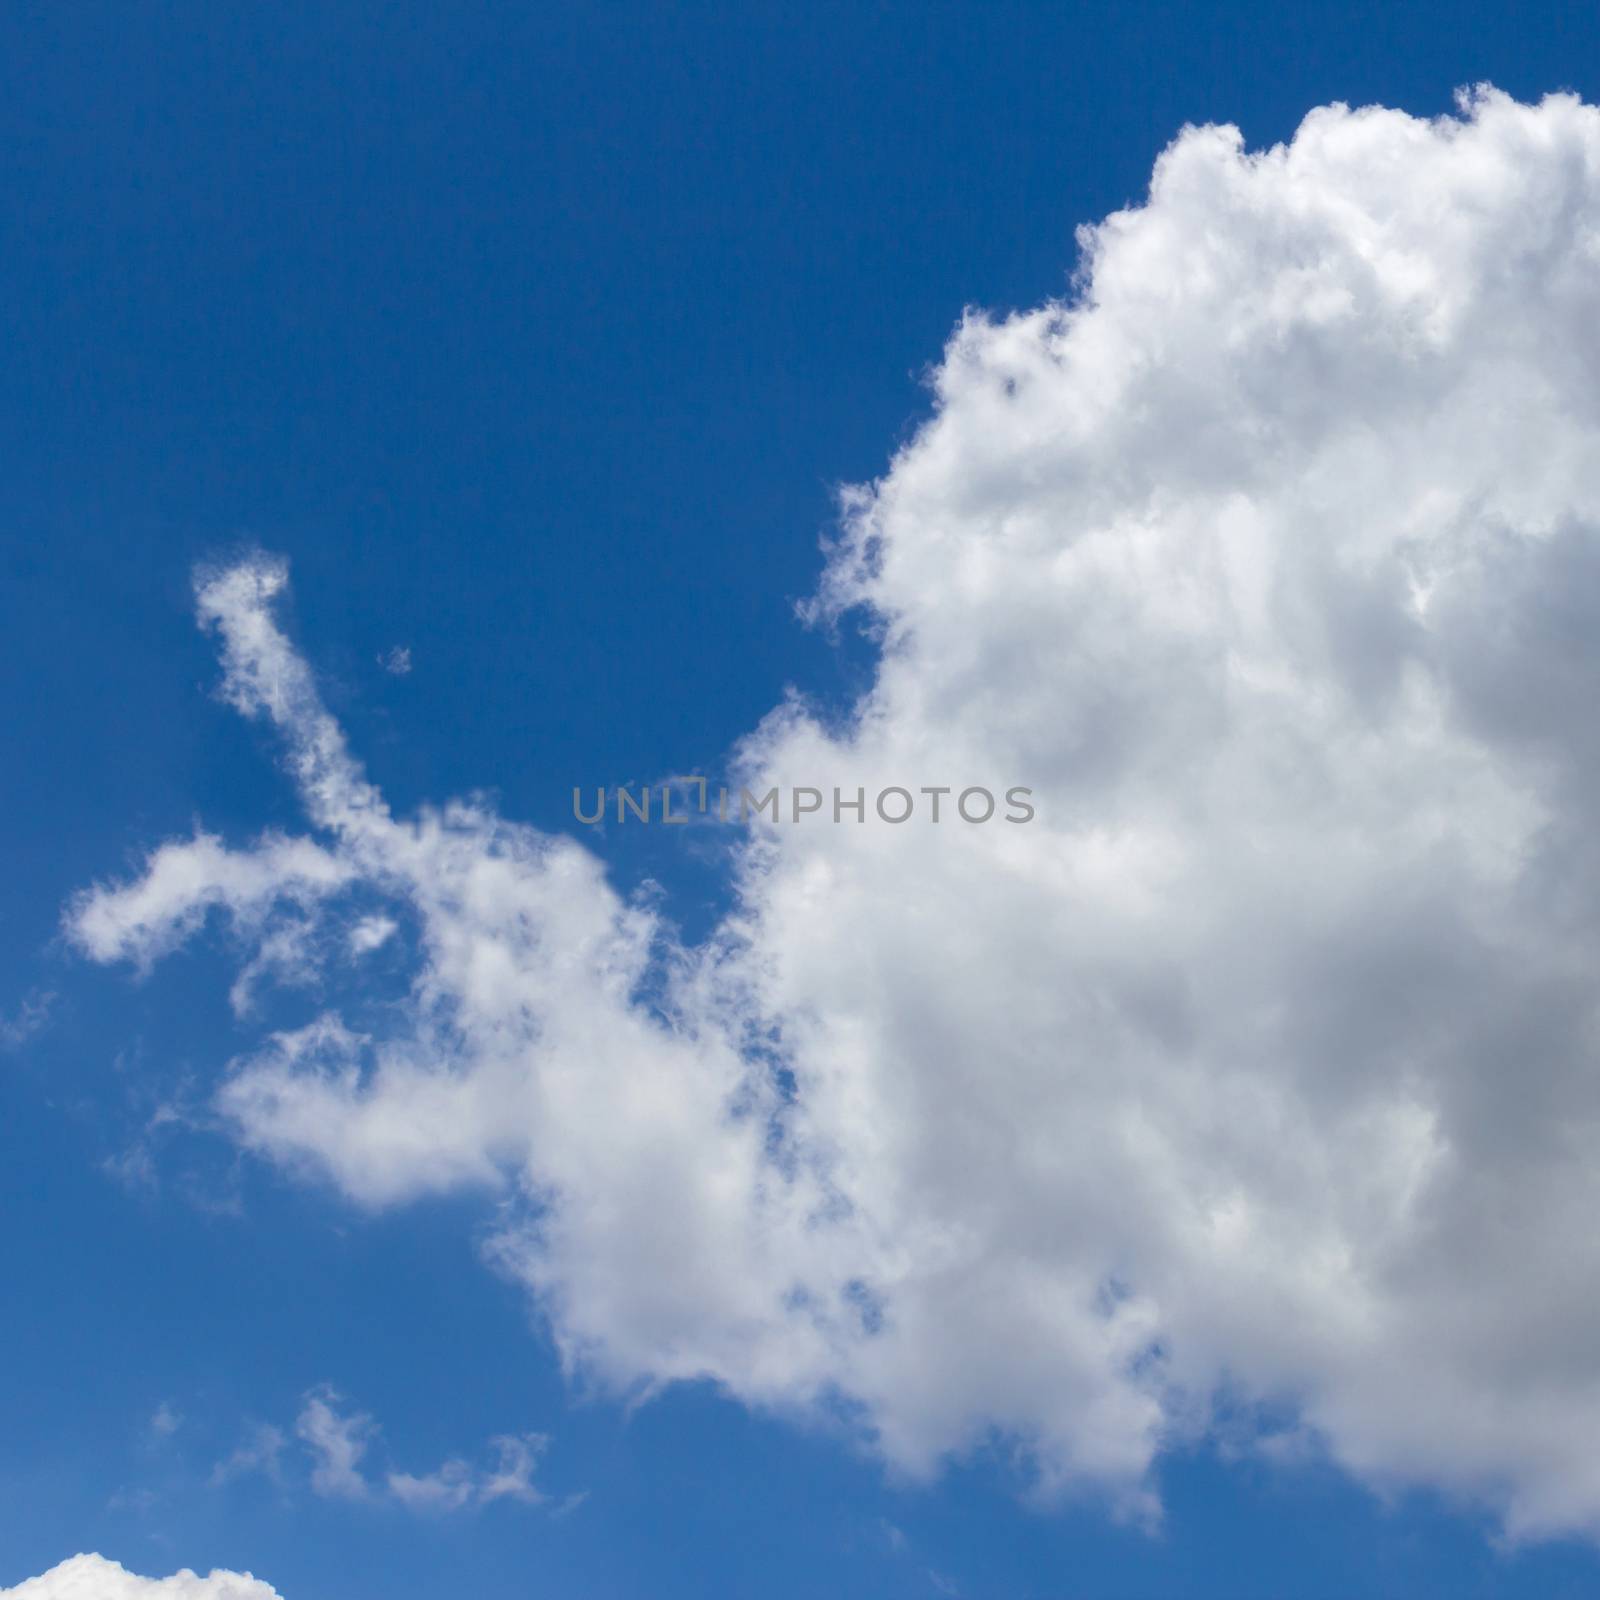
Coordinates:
<point>258,1453</point>
<point>371,932</point>
<point>138,1501</point>
<point>447,1489</point>
<point>396,661</point>
<point>30,1018</point>
<point>337,1443</point>
<point>133,1168</point>
<point>165,1422</point>
<point>512,1476</point>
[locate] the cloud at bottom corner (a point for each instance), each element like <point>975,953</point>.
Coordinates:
<point>93,1577</point>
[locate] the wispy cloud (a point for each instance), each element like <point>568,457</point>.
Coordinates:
<point>260,1451</point>
<point>339,1442</point>
<point>31,1017</point>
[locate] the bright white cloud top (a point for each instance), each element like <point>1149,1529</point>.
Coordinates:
<point>1264,1064</point>
<point>95,1578</point>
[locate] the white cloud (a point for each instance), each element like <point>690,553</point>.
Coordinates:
<point>456,1483</point>
<point>337,1442</point>
<point>370,934</point>
<point>183,881</point>
<point>511,1477</point>
<point>128,1498</point>
<point>447,1488</point>
<point>260,1451</point>
<point>94,1578</point>
<point>31,1017</point>
<point>1263,1060</point>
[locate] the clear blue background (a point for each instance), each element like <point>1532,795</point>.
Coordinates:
<point>537,337</point>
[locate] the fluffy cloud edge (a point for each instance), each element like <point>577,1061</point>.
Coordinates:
<point>93,1577</point>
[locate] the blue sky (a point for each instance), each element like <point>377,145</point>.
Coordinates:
<point>537,341</point>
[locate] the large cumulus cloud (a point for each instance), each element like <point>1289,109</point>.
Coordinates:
<point>95,1578</point>
<point>1262,1064</point>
